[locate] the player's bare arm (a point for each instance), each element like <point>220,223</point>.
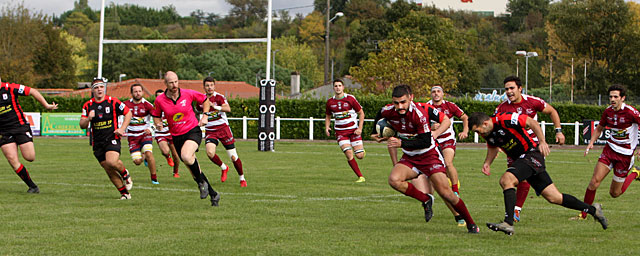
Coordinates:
<point>206,106</point>
<point>224,108</point>
<point>360,122</point>
<point>122,130</point>
<point>555,118</point>
<point>594,137</point>
<point>444,125</point>
<point>84,121</point>
<point>327,125</point>
<point>535,127</point>
<point>492,152</point>
<point>36,95</point>
<point>157,123</point>
<point>465,127</point>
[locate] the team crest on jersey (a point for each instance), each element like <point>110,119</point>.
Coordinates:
<point>5,97</point>
<point>501,132</point>
<point>519,110</point>
<point>177,117</point>
<point>529,111</point>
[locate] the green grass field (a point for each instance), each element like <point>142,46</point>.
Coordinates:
<point>301,200</point>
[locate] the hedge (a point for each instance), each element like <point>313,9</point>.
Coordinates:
<point>306,108</point>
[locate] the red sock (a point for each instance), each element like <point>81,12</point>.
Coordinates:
<point>521,193</point>
<point>627,181</point>
<point>238,165</point>
<point>175,168</point>
<point>123,190</point>
<point>461,208</point>
<point>124,172</point>
<point>588,199</point>
<point>415,193</point>
<point>354,167</point>
<point>154,177</point>
<point>216,160</point>
<point>454,187</point>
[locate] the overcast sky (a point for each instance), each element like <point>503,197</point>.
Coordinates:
<point>184,7</point>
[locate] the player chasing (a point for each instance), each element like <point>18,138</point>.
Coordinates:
<point>175,104</point>
<point>139,131</point>
<point>523,104</point>
<point>15,130</point>
<point>343,108</point>
<point>508,131</point>
<point>102,113</point>
<point>165,143</point>
<point>617,154</point>
<point>420,156</point>
<point>217,129</point>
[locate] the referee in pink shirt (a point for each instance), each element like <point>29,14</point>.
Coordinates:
<point>184,127</point>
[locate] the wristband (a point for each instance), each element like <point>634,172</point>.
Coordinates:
<point>558,130</point>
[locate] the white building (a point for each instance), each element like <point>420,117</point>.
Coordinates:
<point>485,7</point>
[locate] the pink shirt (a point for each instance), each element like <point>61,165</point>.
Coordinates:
<point>179,113</point>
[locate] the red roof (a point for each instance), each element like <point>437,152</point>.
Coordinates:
<point>122,89</point>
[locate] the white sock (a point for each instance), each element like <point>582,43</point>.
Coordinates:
<point>242,177</point>
<point>223,166</point>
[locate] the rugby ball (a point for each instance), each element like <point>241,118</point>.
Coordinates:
<point>384,129</point>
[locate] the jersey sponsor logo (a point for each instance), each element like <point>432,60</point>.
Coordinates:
<point>114,142</point>
<point>28,134</point>
<point>121,107</point>
<point>183,103</point>
<point>21,89</point>
<point>177,117</point>
<point>5,96</point>
<point>107,110</point>
<point>84,112</point>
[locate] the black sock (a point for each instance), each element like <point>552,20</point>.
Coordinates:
<point>212,192</point>
<point>195,170</point>
<point>509,204</point>
<point>123,190</point>
<point>459,217</point>
<point>572,202</point>
<point>24,175</point>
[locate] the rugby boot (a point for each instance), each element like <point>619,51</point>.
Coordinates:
<point>599,216</point>
<point>502,227</point>
<point>428,208</point>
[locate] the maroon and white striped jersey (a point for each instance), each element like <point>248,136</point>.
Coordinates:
<point>623,124</point>
<point>216,120</point>
<point>451,110</point>
<point>344,111</point>
<point>416,121</point>
<point>140,117</point>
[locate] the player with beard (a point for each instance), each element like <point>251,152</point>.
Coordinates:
<point>517,102</point>
<point>140,130</point>
<point>421,156</point>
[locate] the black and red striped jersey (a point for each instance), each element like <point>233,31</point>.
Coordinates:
<point>510,133</point>
<point>105,121</point>
<point>11,116</point>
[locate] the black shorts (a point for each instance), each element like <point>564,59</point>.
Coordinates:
<point>194,134</point>
<point>18,137</point>
<point>100,149</point>
<point>215,141</point>
<point>531,167</point>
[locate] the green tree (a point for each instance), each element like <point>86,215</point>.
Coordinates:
<point>364,9</point>
<point>403,61</point>
<point>365,36</point>
<point>527,14</point>
<point>246,12</point>
<point>79,56</point>
<point>54,65</point>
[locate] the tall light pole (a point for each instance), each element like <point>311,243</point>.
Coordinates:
<point>121,76</point>
<point>526,58</point>
<point>326,40</point>
<point>274,64</point>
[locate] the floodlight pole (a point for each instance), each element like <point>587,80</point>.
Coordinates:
<point>101,38</point>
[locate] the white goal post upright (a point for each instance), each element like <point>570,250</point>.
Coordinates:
<point>189,41</point>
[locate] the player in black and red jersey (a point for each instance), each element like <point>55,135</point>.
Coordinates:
<point>102,112</point>
<point>15,131</point>
<point>508,131</point>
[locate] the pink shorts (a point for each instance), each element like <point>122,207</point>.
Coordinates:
<point>136,143</point>
<point>447,144</point>
<point>167,138</point>
<point>619,163</point>
<point>348,136</point>
<point>427,163</point>
<point>223,135</point>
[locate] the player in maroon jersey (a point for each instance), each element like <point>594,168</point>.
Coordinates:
<point>508,131</point>
<point>344,108</point>
<point>165,143</point>
<point>415,137</point>
<point>623,121</point>
<point>102,113</point>
<point>15,130</point>
<point>528,105</point>
<point>139,132</point>
<point>217,130</point>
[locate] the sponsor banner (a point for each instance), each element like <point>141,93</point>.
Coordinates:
<point>590,128</point>
<point>61,124</point>
<point>34,120</point>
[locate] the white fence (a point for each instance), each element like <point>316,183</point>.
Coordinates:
<point>311,120</point>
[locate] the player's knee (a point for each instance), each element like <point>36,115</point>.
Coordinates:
<point>594,184</point>
<point>614,193</point>
<point>360,153</point>
<point>233,155</point>
<point>211,153</point>
<point>137,157</point>
<point>506,182</point>
<point>29,158</point>
<point>554,198</point>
